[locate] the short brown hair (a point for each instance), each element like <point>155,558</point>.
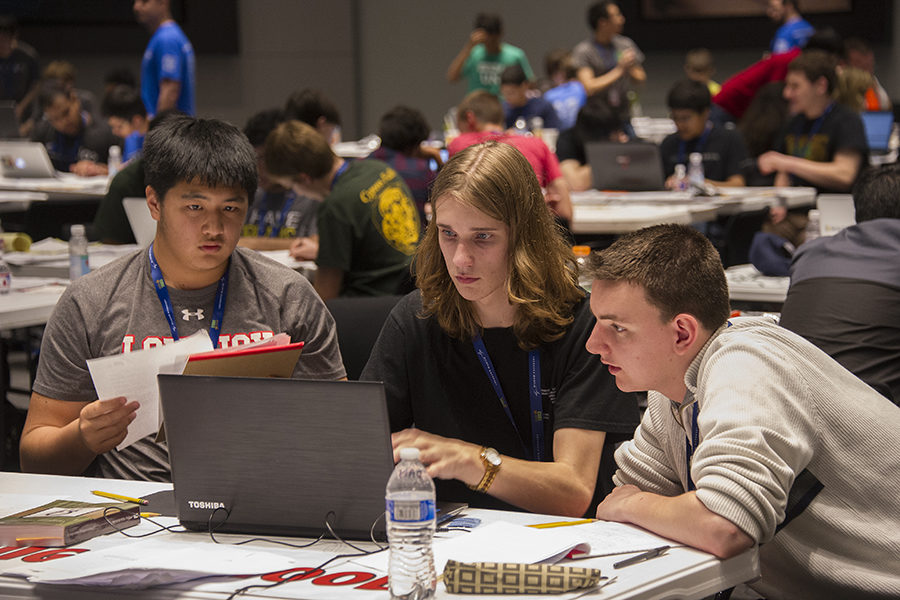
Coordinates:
<point>295,148</point>
<point>497,180</point>
<point>484,105</point>
<point>815,64</point>
<point>678,268</point>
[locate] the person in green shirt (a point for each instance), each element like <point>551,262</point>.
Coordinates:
<point>484,56</point>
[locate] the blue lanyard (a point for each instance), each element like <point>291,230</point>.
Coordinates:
<point>534,393</point>
<point>159,283</point>
<point>691,444</point>
<point>276,227</point>
<point>701,144</point>
<point>340,172</point>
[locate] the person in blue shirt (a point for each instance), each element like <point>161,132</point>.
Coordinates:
<point>517,104</point>
<point>167,70</point>
<point>794,30</point>
<point>568,94</point>
<point>127,117</point>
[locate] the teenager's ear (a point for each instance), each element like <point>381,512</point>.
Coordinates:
<point>153,202</point>
<point>687,331</point>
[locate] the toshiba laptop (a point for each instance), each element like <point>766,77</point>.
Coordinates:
<point>278,456</point>
<point>878,125</point>
<point>25,160</point>
<point>143,226</point>
<point>630,167</point>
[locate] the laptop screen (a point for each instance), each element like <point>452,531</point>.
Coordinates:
<point>271,456</point>
<point>878,125</point>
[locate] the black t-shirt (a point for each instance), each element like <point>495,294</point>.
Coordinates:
<point>570,147</point>
<point>724,153</point>
<point>437,384</point>
<point>841,129</point>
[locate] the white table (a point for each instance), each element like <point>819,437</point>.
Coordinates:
<point>65,185</point>
<point>679,573</point>
<point>597,212</point>
<point>30,302</point>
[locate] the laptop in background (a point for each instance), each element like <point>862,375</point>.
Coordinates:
<point>630,167</point>
<point>878,126</point>
<point>25,160</point>
<point>143,226</point>
<point>279,455</point>
<point>9,122</point>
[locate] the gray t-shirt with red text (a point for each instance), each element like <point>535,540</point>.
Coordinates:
<point>115,309</point>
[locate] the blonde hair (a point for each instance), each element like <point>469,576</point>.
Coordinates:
<point>497,180</point>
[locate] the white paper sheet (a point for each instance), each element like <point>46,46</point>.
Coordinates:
<point>133,375</point>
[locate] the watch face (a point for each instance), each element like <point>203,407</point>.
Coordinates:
<point>492,456</point>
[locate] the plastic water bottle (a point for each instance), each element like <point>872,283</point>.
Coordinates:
<point>696,177</point>
<point>5,274</point>
<point>78,253</point>
<point>409,512</point>
<point>813,226</point>
<point>114,162</point>
<point>681,180</point>
<point>521,127</point>
<point>582,253</point>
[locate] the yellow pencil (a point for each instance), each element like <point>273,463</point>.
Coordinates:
<point>147,515</point>
<point>35,541</point>
<point>561,523</point>
<point>120,497</point>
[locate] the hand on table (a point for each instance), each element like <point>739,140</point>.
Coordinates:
<point>87,168</point>
<point>103,424</point>
<point>614,506</point>
<point>304,248</point>
<point>444,458</point>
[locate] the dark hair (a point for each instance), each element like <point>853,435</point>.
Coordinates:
<point>261,125</point>
<point>815,64</point>
<point>856,44</point>
<point>689,95</point>
<point>484,105</point>
<point>120,76</point>
<point>402,129</point>
<point>308,105</point>
<point>513,75</point>
<point>50,89</point>
<point>598,11</point>
<point>123,102</point>
<point>164,115</point>
<point>876,194</point>
<point>295,148</point>
<point>8,24</point>
<point>678,268</point>
<point>490,22</point>
<point>558,60</point>
<point>762,122</point>
<point>497,180</point>
<point>207,151</point>
<point>827,40</point>
<point>597,120</point>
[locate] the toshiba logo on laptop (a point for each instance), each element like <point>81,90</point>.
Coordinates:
<point>623,160</point>
<point>203,504</point>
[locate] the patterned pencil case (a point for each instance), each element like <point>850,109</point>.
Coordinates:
<point>516,578</point>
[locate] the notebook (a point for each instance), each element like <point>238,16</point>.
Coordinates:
<point>278,455</point>
<point>25,160</point>
<point>878,125</point>
<point>143,226</point>
<point>631,167</point>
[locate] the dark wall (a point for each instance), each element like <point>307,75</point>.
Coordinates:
<point>96,26</point>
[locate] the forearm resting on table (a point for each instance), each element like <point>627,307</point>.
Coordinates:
<point>554,488</point>
<point>51,439</point>
<point>682,518</point>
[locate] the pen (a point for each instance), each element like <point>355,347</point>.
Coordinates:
<point>561,523</point>
<point>640,557</point>
<point>120,498</point>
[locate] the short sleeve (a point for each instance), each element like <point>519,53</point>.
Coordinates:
<point>314,325</point>
<point>171,59</point>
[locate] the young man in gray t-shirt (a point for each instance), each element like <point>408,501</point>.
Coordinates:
<point>200,174</point>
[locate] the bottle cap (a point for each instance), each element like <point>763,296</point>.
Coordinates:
<point>115,151</point>
<point>581,250</point>
<point>77,229</point>
<point>409,454</point>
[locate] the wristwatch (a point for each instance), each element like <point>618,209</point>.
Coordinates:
<point>492,461</point>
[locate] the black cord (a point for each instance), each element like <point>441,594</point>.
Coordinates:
<point>170,528</point>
